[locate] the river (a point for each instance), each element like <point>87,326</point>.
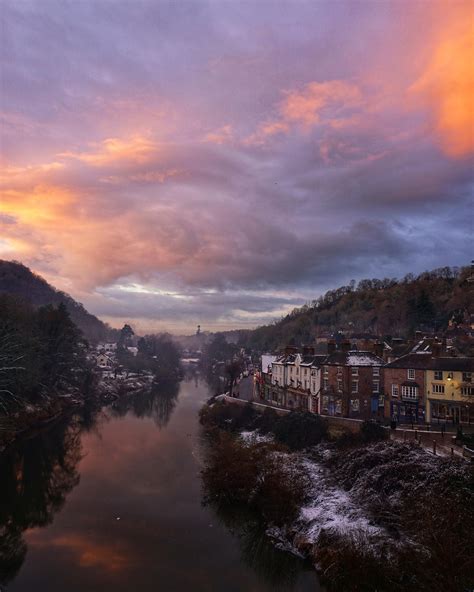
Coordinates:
<point>113,502</point>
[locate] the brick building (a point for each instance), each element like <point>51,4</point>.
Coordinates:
<point>352,384</point>
<point>405,387</point>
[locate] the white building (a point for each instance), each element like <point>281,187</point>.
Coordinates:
<point>296,380</point>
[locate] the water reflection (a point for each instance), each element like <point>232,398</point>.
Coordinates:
<point>279,569</point>
<point>36,476</point>
<point>38,473</point>
<point>134,520</point>
<point>157,402</point>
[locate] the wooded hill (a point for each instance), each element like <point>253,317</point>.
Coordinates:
<point>18,280</point>
<point>387,307</point>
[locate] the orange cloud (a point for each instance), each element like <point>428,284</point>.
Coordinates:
<point>447,85</point>
<point>220,136</point>
<point>306,106</point>
<point>317,103</point>
<point>138,149</point>
<point>40,207</point>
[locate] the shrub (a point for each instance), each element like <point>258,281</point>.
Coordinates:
<point>254,477</point>
<point>299,430</point>
<point>371,431</point>
<point>281,491</point>
<point>228,417</point>
<point>350,562</point>
<point>266,421</point>
<point>231,474</point>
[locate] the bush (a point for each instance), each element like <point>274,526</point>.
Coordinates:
<point>228,417</point>
<point>349,563</point>
<point>371,431</point>
<point>299,430</point>
<point>281,491</point>
<point>267,421</point>
<point>231,474</point>
<point>254,477</point>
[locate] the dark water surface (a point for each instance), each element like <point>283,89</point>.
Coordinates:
<point>114,503</point>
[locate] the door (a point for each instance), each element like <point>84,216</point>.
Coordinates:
<point>456,414</point>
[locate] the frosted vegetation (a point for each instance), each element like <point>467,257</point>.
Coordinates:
<point>369,513</point>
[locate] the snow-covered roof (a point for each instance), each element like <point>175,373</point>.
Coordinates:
<point>267,360</point>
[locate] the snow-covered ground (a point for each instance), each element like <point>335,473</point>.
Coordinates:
<point>329,509</point>
<point>254,437</point>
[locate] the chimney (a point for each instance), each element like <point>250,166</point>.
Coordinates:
<point>331,346</point>
<point>308,350</point>
<point>436,349</point>
<point>378,349</point>
<point>346,345</point>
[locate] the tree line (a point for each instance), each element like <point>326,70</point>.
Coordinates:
<point>386,307</point>
<point>42,353</point>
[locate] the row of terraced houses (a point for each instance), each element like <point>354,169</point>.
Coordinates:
<point>421,387</point>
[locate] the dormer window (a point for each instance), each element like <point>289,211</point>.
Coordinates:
<point>411,374</point>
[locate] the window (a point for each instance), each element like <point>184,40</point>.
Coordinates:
<point>355,371</point>
<point>376,371</point>
<point>395,391</point>
<point>438,389</point>
<point>339,406</point>
<point>467,376</point>
<point>325,403</point>
<point>410,392</point>
<point>355,386</point>
<point>376,386</point>
<point>339,369</point>
<point>325,384</point>
<point>325,370</point>
<point>355,405</point>
<point>467,390</point>
<point>438,375</point>
<point>339,386</point>
<point>411,374</point>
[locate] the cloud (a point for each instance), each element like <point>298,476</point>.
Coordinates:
<point>447,85</point>
<point>116,150</point>
<point>327,102</point>
<point>221,157</point>
<point>221,135</point>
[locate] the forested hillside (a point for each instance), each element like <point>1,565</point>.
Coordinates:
<point>384,307</point>
<point>18,280</point>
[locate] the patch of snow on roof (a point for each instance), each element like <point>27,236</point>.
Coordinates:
<point>362,359</point>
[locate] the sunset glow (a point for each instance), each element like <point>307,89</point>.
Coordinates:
<point>210,150</point>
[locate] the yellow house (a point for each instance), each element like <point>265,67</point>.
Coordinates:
<point>450,390</point>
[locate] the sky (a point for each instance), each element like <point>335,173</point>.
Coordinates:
<point>176,163</point>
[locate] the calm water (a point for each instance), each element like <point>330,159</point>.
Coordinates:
<point>114,502</point>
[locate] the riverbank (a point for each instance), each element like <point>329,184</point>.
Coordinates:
<point>32,417</point>
<point>374,515</point>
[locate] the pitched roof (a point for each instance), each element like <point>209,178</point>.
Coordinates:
<point>353,358</point>
<point>420,361</point>
<point>425,361</point>
<point>453,364</point>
